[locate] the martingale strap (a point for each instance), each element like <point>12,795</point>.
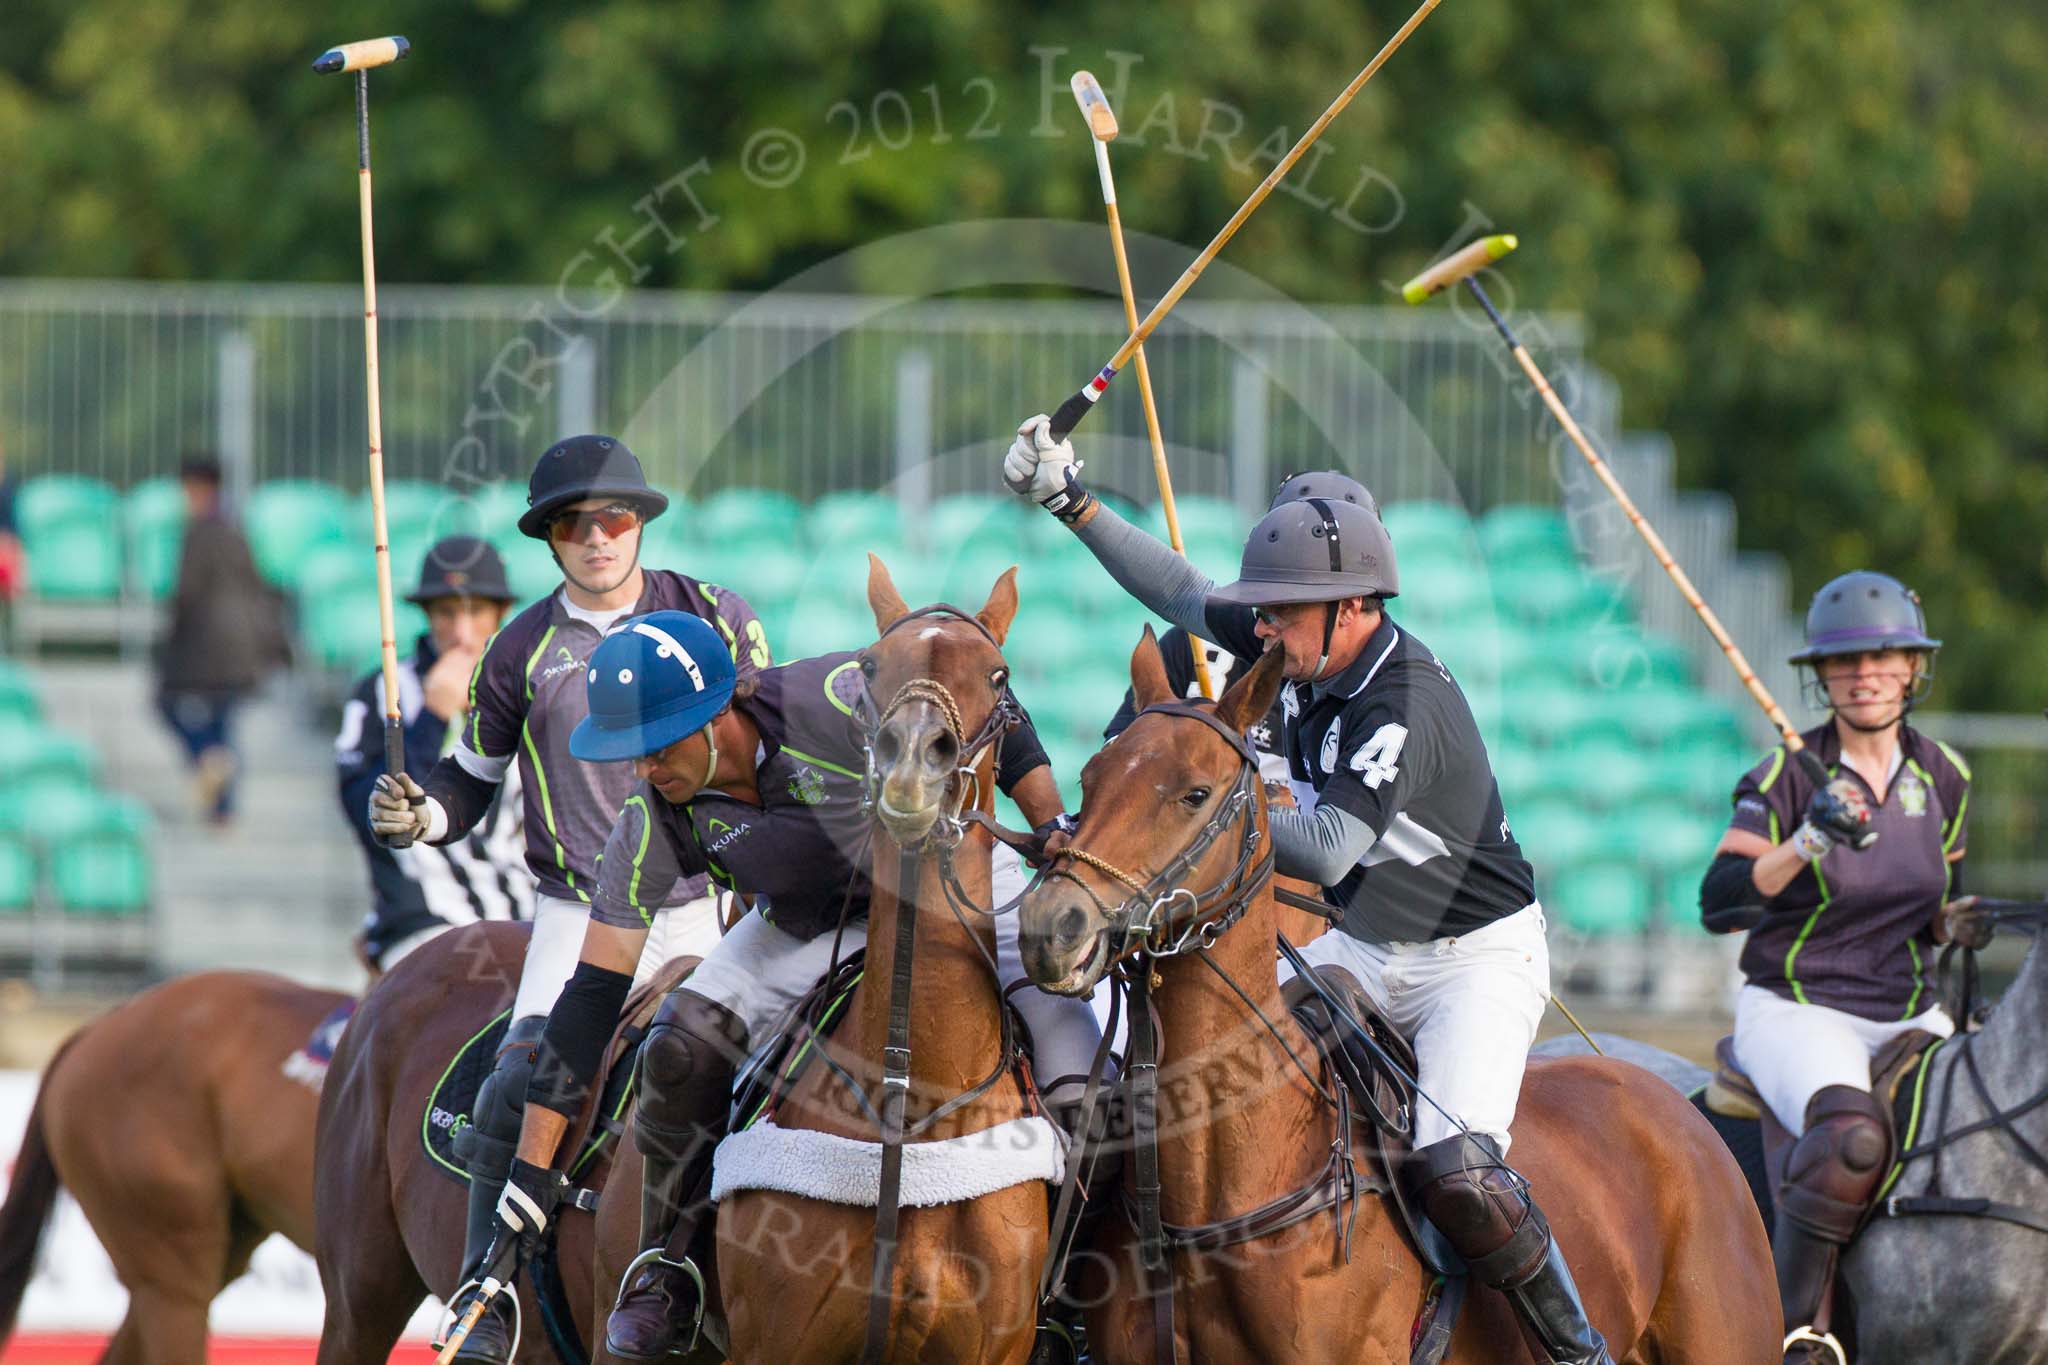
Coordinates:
<point>1154,1256</point>
<point>895,1092</point>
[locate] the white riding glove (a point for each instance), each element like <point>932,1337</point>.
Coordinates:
<point>395,821</point>
<point>1042,469</point>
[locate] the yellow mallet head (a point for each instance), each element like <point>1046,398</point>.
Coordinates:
<point>1469,261</point>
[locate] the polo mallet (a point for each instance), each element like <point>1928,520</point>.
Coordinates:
<point>1075,408</point>
<point>1102,125</point>
<point>360,58</point>
<point>1463,267</point>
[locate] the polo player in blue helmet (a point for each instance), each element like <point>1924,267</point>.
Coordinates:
<point>756,783</point>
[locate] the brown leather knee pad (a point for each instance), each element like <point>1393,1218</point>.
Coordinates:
<point>1479,1204</point>
<point>1836,1165</point>
<point>692,1051</point>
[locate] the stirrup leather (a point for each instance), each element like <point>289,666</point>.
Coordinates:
<point>1826,1339</point>
<point>688,1267</point>
<point>447,1323</point>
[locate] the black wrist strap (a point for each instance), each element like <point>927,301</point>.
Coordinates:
<point>1070,502</point>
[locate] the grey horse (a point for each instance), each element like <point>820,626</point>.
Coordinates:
<point>1947,1290</point>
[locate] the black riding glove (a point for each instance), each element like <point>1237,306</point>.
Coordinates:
<point>532,1193</point>
<point>1837,814</point>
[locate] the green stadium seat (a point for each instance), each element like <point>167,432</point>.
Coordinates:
<point>1045,649</point>
<point>1526,534</point>
<point>153,525</point>
<point>32,753</point>
<point>749,516</point>
<point>286,517</point>
<point>99,864</point>
<point>412,509</point>
<point>1523,777</point>
<point>1602,896</point>
<point>1208,519</point>
<point>20,703</point>
<point>340,629</point>
<point>863,516</point>
<point>1555,833</point>
<point>1607,773</point>
<point>1426,526</point>
<point>966,517</point>
<point>337,566</point>
<point>498,508</point>
<point>17,873</point>
<point>1439,588</point>
<point>1555,719</point>
<point>69,529</point>
<point>530,571</point>
<point>1629,660</point>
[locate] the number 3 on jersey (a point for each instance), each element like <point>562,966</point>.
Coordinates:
<point>1376,759</point>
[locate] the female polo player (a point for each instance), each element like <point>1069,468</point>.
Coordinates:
<point>1842,929</point>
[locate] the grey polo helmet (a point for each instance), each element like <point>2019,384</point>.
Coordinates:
<point>1864,611</point>
<point>1332,484</point>
<point>1313,550</point>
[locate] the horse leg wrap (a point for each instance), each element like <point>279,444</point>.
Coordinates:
<point>1831,1175</point>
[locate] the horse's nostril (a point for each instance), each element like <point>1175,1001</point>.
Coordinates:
<point>1071,925</point>
<point>943,751</point>
<point>887,747</point>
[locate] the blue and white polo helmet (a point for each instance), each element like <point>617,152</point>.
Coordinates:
<point>654,680</point>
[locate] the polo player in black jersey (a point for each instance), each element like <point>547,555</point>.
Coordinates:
<point>1399,819</point>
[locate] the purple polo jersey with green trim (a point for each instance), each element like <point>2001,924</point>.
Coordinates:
<point>529,691</point>
<point>802,855</point>
<point>1854,930</point>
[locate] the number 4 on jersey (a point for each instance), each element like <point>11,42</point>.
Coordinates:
<point>1375,761</point>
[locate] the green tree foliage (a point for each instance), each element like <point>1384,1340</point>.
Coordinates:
<point>1805,236</point>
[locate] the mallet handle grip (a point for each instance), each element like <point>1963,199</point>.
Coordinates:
<point>362,56</point>
<point>1074,409</point>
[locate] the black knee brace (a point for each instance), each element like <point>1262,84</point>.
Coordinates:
<point>1479,1204</point>
<point>692,1052</point>
<point>491,1136</point>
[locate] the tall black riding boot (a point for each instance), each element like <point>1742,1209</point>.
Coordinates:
<point>1831,1175</point>
<point>1484,1211</point>
<point>687,1064</point>
<point>487,1145</point>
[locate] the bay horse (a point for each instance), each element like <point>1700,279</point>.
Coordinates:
<point>794,1271</point>
<point>173,1123</point>
<point>1664,1239</point>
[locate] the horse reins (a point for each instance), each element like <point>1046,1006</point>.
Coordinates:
<point>1934,1203</point>
<point>941,841</point>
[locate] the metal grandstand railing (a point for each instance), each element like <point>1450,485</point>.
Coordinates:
<point>803,393</point>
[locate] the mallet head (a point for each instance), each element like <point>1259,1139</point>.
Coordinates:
<point>1457,266</point>
<point>1094,106</point>
<point>361,56</point>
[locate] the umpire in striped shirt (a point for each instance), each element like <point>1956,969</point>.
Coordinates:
<point>417,892</point>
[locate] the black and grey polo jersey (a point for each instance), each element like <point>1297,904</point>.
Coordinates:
<point>1855,929</point>
<point>529,693</point>
<point>1391,741</point>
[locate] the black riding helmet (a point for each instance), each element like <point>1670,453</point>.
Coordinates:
<point>1863,611</point>
<point>580,467</point>
<point>461,566</point>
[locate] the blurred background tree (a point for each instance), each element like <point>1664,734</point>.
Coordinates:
<point>1805,237</point>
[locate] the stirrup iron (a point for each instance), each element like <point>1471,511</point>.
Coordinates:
<point>1826,1339</point>
<point>688,1267</point>
<point>446,1326</point>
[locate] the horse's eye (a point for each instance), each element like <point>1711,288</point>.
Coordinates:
<point>1196,799</point>
<point>867,668</point>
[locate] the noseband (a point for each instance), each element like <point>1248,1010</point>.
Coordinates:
<point>1004,716</point>
<point>1160,916</point>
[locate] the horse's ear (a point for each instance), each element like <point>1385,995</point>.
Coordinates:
<point>883,599</point>
<point>1148,671</point>
<point>1001,607</point>
<point>1248,699</point>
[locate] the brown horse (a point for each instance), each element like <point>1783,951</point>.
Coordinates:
<point>172,1122</point>
<point>388,1227</point>
<point>794,1271</point>
<point>1663,1237</point>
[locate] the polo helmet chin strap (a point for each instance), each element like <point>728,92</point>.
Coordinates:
<point>711,760</point>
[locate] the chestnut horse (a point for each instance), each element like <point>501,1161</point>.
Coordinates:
<point>795,1272</point>
<point>1663,1237</point>
<point>173,1123</point>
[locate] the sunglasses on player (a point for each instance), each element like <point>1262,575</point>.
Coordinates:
<point>614,520</point>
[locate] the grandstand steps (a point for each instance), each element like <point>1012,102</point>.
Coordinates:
<point>281,888</point>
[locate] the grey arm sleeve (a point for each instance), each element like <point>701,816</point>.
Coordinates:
<point>1318,846</point>
<point>1168,585</point>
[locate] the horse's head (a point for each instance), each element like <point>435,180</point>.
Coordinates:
<point>1171,839</point>
<point>940,693</point>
